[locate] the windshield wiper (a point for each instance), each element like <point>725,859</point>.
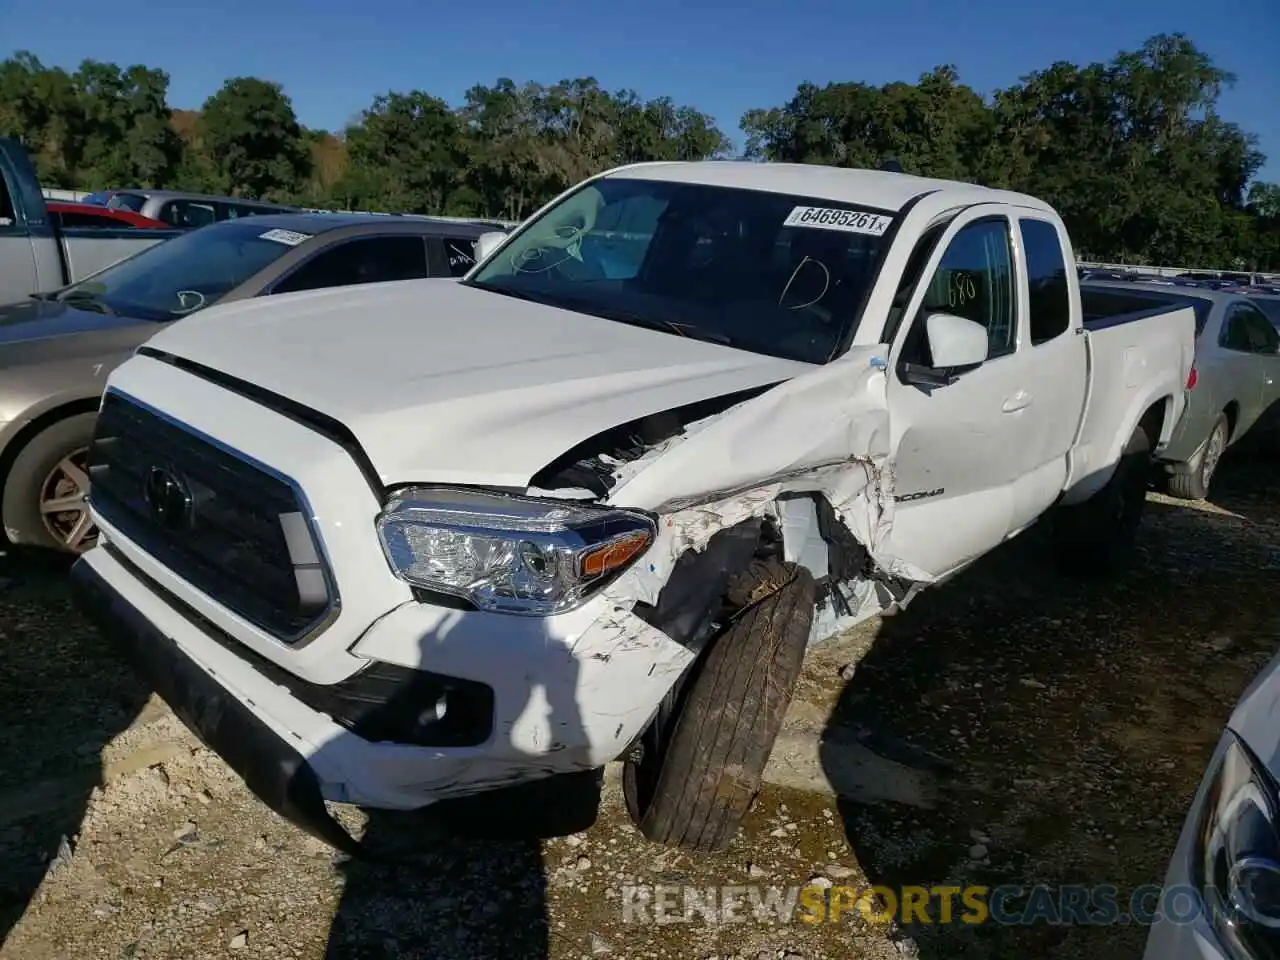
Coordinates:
<point>83,298</point>
<point>696,333</point>
<point>619,316</point>
<point>516,294</point>
<point>658,323</point>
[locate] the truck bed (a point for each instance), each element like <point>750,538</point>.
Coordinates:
<point>1137,349</point>
<point>1109,308</point>
<point>86,250</point>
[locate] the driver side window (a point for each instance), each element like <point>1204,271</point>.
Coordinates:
<point>974,280</point>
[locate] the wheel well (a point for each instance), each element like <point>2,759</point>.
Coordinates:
<point>1232,410</point>
<point>38,424</point>
<point>1152,421</point>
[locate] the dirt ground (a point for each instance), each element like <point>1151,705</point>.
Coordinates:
<point>1011,727</point>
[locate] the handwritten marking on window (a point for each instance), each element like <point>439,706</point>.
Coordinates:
<point>961,289</point>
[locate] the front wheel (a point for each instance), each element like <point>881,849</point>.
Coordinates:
<point>1194,484</point>
<point>693,790</point>
<point>1096,538</point>
<point>45,492</point>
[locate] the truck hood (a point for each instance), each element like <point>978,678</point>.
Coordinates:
<point>441,382</point>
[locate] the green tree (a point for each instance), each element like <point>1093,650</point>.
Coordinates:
<point>1132,152</point>
<point>405,153</point>
<point>125,126</point>
<point>251,138</point>
<point>38,107</point>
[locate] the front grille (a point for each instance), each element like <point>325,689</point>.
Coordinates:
<point>227,526</point>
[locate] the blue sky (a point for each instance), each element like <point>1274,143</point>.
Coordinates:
<point>333,56</point>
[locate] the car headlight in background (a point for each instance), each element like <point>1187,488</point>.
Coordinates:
<point>509,553</point>
<point>1238,855</point>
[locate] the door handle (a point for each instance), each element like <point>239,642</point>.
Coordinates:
<point>1019,401</point>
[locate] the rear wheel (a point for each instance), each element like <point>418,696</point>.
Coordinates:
<point>44,503</point>
<point>1096,538</point>
<point>1194,484</point>
<point>692,787</point>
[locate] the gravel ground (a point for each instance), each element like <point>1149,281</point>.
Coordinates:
<point>1010,727</point>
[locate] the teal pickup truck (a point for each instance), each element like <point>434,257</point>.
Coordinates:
<point>37,256</point>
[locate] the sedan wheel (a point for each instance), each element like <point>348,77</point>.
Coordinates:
<point>1194,483</point>
<point>1213,451</point>
<point>44,491</point>
<point>64,505</point>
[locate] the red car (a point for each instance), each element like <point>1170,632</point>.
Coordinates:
<point>87,215</point>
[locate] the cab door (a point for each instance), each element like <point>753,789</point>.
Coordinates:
<point>30,261</point>
<point>1244,330</point>
<point>961,443</point>
<point>1055,360</point>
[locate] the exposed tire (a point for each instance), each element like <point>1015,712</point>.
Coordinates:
<point>1096,538</point>
<point>694,788</point>
<point>1194,485</point>
<point>47,472</point>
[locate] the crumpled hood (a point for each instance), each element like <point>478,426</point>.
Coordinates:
<point>446,383</point>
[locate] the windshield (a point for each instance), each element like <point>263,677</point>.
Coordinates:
<point>767,272</point>
<point>180,276</point>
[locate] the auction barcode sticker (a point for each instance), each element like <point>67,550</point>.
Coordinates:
<point>289,238</point>
<point>850,221</point>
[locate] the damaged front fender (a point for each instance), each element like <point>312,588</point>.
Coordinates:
<point>825,433</point>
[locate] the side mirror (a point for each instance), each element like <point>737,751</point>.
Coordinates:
<point>487,243</point>
<point>954,342</point>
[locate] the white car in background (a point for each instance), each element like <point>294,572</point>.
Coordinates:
<point>1236,376</point>
<point>1228,855</point>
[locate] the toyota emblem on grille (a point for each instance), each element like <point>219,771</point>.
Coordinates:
<point>168,497</point>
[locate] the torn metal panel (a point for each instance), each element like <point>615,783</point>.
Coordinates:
<point>824,432</point>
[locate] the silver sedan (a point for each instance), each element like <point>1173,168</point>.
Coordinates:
<point>1235,380</point>
<point>1220,900</point>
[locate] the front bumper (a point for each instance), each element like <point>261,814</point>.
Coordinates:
<point>275,771</point>
<point>562,704</point>
<point>1187,938</point>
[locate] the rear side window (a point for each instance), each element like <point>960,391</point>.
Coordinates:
<point>1271,307</point>
<point>234,211</point>
<point>1263,337</point>
<point>375,260</point>
<point>1050,299</point>
<point>188,214</point>
<point>1235,332</point>
<point>461,254</point>
<point>126,201</point>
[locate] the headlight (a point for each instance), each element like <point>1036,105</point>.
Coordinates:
<point>509,553</point>
<point>1238,855</point>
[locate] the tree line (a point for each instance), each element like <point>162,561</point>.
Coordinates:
<point>1132,152</point>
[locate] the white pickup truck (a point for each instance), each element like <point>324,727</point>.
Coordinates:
<point>411,541</point>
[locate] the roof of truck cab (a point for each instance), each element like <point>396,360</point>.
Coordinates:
<point>876,188</point>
